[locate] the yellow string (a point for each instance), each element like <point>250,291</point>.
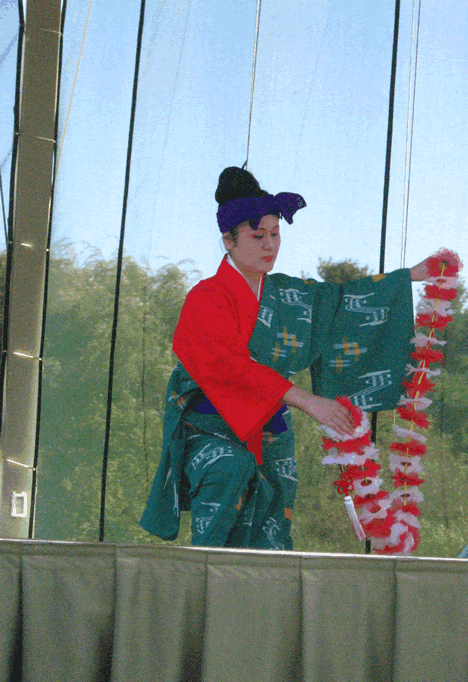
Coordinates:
<point>254,71</point>
<point>73,91</point>
<point>421,375</point>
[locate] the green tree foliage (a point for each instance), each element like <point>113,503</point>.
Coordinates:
<point>450,408</point>
<point>75,388</point>
<point>339,272</point>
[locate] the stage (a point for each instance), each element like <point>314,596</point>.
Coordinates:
<point>76,612</point>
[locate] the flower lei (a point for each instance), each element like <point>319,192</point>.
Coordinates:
<point>391,520</point>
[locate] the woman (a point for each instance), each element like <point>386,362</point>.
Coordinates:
<point>228,444</point>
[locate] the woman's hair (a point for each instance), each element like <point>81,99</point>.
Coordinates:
<point>237,183</point>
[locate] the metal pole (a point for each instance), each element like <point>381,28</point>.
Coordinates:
<point>28,241</point>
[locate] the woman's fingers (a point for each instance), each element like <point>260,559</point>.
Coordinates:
<point>344,423</point>
<point>325,411</point>
<point>332,414</point>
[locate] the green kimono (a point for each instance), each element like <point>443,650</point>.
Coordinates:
<point>356,340</point>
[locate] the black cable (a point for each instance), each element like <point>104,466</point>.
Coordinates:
<point>143,381</point>
<point>46,289</point>
<point>388,156</point>
<point>386,190</point>
<point>3,209</point>
<point>9,240</point>
<point>119,274</point>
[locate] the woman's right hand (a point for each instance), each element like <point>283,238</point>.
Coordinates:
<point>322,410</point>
<point>332,414</point>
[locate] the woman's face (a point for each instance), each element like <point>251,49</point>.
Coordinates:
<point>256,250</point>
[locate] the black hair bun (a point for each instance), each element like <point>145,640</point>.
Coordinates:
<point>235,183</point>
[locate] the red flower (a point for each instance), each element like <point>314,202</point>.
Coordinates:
<point>412,415</point>
<point>401,545</point>
<point>433,291</point>
<point>445,257</point>
<point>413,447</point>
<point>428,355</point>
<point>369,499</point>
<point>379,528</point>
<point>435,320</point>
<point>416,537</point>
<point>419,384</point>
<point>367,470</point>
<point>409,508</point>
<point>354,445</point>
<point>401,479</point>
<point>395,549</point>
<point>356,412</point>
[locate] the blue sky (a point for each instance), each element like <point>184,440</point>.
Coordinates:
<point>319,125</point>
<point>8,52</point>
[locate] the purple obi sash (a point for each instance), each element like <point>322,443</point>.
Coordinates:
<point>276,424</point>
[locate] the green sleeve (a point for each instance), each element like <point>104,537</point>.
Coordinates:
<point>367,342</point>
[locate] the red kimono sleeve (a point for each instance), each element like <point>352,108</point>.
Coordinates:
<point>211,342</point>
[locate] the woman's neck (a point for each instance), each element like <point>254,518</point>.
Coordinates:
<point>254,280</point>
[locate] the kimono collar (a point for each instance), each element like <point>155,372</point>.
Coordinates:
<point>260,282</point>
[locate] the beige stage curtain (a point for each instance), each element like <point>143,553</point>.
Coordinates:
<point>88,612</point>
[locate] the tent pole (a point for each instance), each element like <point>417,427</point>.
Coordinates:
<point>27,253</point>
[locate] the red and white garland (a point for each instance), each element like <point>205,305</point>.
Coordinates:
<point>391,520</point>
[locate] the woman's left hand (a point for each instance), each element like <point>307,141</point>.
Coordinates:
<point>419,272</point>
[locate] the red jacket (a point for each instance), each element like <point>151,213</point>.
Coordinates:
<point>211,341</point>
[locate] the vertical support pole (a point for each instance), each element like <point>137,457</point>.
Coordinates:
<point>28,239</point>
<point>118,279</point>
<point>388,155</point>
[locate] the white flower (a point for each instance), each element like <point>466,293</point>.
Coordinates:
<point>412,494</point>
<point>410,369</point>
<point>417,403</point>
<point>443,282</point>
<point>421,341</point>
<point>404,433</point>
<point>369,486</point>
<point>429,305</point>
<point>397,462</point>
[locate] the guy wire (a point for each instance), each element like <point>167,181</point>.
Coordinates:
<point>3,209</point>
<point>409,136</point>
<point>254,71</point>
<point>62,141</point>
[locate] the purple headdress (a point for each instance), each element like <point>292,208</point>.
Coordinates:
<point>253,209</point>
